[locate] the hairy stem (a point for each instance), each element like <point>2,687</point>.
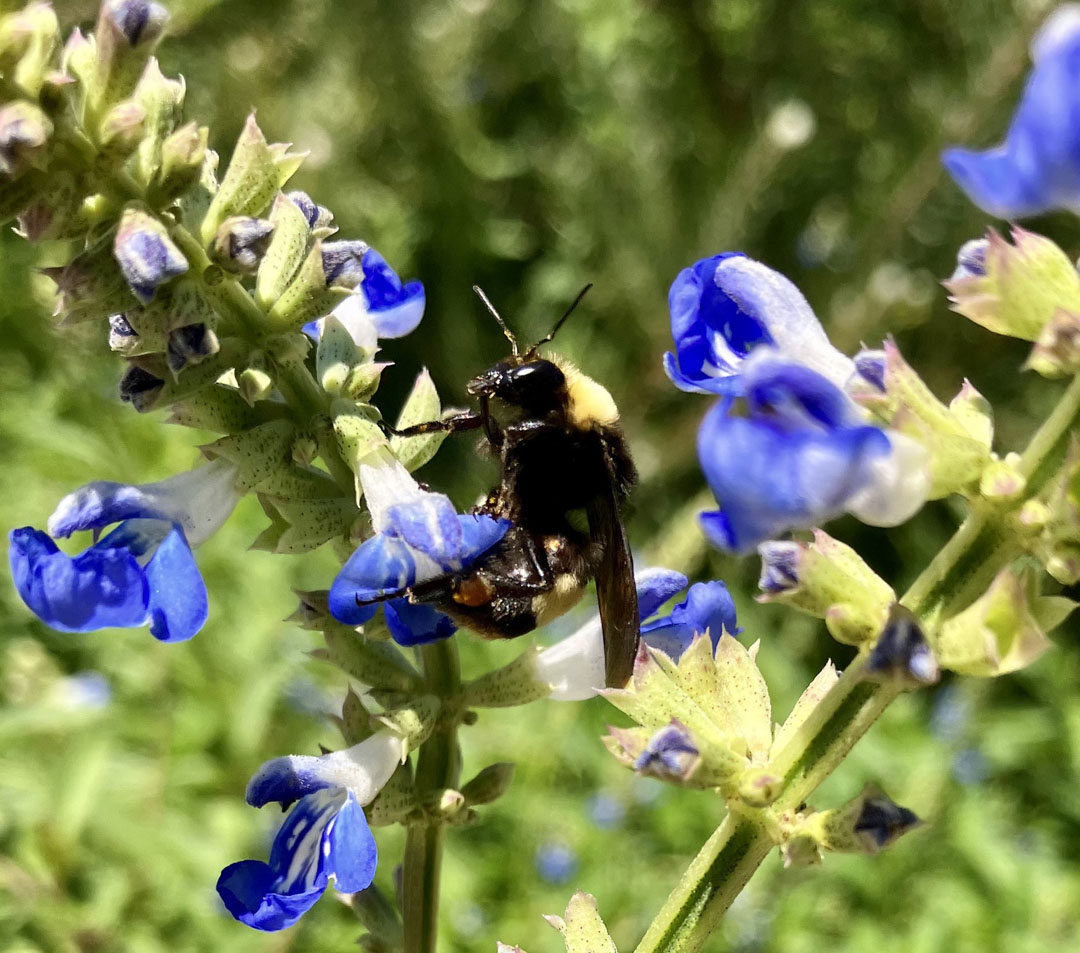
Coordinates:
<point>438,767</point>
<point>959,573</point>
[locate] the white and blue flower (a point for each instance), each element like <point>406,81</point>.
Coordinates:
<point>325,835</point>
<point>140,573</point>
<point>725,307</point>
<point>419,536</point>
<point>801,455</point>
<point>574,667</point>
<point>381,307</point>
<point>1037,168</point>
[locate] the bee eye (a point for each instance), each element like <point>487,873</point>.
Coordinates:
<point>534,384</point>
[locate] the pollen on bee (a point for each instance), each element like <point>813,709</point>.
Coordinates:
<point>474,591</point>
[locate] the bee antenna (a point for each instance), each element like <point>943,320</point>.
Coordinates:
<point>498,317</point>
<point>558,324</point>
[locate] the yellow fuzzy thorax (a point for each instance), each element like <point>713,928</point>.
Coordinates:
<point>588,403</point>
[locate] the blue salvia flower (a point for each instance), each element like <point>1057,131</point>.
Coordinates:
<point>138,21</point>
<point>574,667</point>
<point>148,258</point>
<point>670,755</point>
<point>140,573</point>
<point>801,455</point>
<point>381,307</point>
<point>724,307</point>
<point>1037,168</point>
<point>325,835</point>
<point>418,536</point>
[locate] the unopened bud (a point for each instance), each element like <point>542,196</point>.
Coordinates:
<point>1018,288</point>
<point>342,263</point>
<point>413,722</point>
<point>191,344</point>
<point>241,242</point>
<point>869,823</point>
<point>183,153</point>
<point>902,653</point>
<point>489,785</point>
<point>1002,479</point>
<point>127,32</point>
<point>255,384</point>
<point>670,755</point>
<point>24,134</point>
<point>1057,351</point>
<point>146,255</point>
<point>28,38</point>
<point>318,216</point>
<point>829,580</point>
<point>140,388</point>
<point>122,129</point>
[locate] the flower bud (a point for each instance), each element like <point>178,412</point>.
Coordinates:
<point>1057,351</point>
<point>865,825</point>
<point>1002,479</point>
<point>489,785</point>
<point>828,580</point>
<point>127,32</point>
<point>77,57</point>
<point>957,437</point>
<point>90,285</point>
<point>122,129</point>
<point>999,632</point>
<point>162,99</point>
<point>902,653</point>
<point>1016,289</point>
<point>256,171</point>
<point>24,135</point>
<point>255,384</point>
<point>183,153</point>
<point>319,218</point>
<point>140,388</point>
<point>241,242</point>
<point>190,344</point>
<point>342,263</point>
<point>309,295</point>
<point>146,255</point>
<point>670,754</point>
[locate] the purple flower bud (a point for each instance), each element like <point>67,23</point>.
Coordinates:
<point>241,242</point>
<point>146,255</point>
<point>670,754</point>
<point>139,21</point>
<point>140,388</point>
<point>24,131</point>
<point>318,216</point>
<point>190,344</point>
<point>971,259</point>
<point>870,366</point>
<point>342,263</point>
<point>779,566</point>
<point>902,651</point>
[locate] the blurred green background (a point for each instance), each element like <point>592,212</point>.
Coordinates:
<point>531,147</point>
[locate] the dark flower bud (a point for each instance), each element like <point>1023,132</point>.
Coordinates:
<point>190,345</point>
<point>902,652</point>
<point>122,336</point>
<point>882,821</point>
<point>140,388</point>
<point>137,21</point>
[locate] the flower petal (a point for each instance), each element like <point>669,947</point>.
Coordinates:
<point>177,595</point>
<point>362,770</point>
<point>411,624</point>
<point>380,565</point>
<point>708,607</point>
<point>100,588</point>
<point>353,855</point>
<point>247,890</point>
<point>655,586</point>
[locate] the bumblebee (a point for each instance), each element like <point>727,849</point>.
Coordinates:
<point>566,473</point>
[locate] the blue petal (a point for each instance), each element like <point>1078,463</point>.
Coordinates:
<point>100,504</point>
<point>380,565</point>
<point>708,607</point>
<point>769,480</point>
<point>411,624</point>
<point>100,588</point>
<point>177,595</point>
<point>353,854</point>
<point>313,329</point>
<point>381,286</point>
<point>993,182</point>
<point>284,780</point>
<point>403,317</point>
<point>699,384</point>
<point>655,587</point>
<point>795,396</point>
<point>247,890</point>
<point>430,525</point>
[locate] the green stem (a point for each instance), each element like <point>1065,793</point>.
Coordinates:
<point>959,573</point>
<point>438,767</point>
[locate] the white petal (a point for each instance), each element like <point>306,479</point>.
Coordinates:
<point>386,484</point>
<point>353,314</point>
<point>574,667</point>
<point>1059,28</point>
<point>899,486</point>
<point>363,769</point>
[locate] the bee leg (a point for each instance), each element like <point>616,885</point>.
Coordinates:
<point>464,421</point>
<point>491,425</point>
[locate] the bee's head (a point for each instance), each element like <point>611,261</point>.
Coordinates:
<point>535,385</point>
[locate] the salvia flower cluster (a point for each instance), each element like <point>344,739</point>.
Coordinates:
<point>233,304</point>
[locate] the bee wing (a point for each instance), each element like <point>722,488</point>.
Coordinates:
<point>615,590</point>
